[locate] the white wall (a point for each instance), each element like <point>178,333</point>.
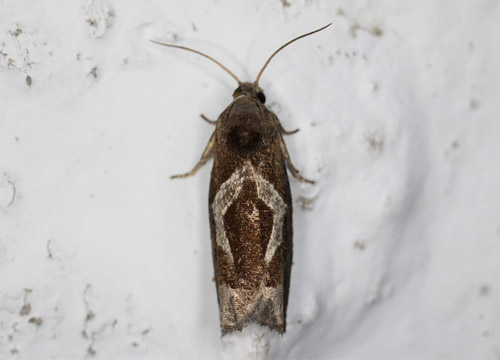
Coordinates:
<point>396,246</point>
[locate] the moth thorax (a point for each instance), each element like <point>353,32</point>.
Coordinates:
<point>245,125</point>
<point>244,138</point>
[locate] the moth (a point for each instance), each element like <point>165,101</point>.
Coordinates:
<point>250,207</point>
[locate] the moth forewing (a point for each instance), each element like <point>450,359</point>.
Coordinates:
<point>250,218</point>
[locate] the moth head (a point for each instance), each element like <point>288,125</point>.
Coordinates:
<point>252,90</point>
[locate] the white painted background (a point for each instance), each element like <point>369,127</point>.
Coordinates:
<point>396,247</point>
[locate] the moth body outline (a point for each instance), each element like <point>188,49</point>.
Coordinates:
<point>250,207</point>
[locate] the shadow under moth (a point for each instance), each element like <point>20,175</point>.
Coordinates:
<point>250,207</point>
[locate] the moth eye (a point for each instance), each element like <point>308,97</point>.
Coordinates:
<point>237,91</point>
<point>261,97</point>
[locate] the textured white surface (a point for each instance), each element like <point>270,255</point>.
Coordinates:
<point>396,247</point>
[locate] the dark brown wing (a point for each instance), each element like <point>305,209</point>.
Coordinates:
<point>251,229</point>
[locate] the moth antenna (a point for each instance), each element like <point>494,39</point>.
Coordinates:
<point>282,47</point>
<point>202,54</point>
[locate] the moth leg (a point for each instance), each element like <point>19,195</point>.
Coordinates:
<point>292,168</point>
<point>285,132</point>
<point>208,120</point>
<point>204,157</point>
<point>281,129</point>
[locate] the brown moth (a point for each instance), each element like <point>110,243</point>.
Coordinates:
<point>250,207</point>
